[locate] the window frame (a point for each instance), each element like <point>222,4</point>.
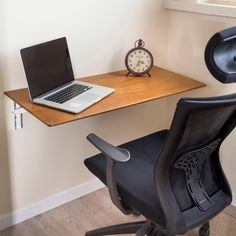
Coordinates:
<point>202,7</point>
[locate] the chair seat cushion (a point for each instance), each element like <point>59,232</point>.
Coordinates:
<point>135,178</point>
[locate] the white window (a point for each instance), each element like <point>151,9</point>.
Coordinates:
<point>222,2</point>
<point>210,7</point>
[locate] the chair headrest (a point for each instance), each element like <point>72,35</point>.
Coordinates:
<point>220,55</point>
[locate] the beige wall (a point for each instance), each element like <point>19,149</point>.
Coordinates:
<point>45,161</point>
<point>5,192</point>
<point>188,35</point>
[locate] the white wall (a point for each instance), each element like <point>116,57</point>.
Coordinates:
<point>45,161</point>
<point>188,34</point>
<point>5,193</point>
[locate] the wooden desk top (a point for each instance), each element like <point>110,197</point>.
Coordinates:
<point>128,91</point>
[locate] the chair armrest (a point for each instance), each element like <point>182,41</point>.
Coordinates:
<point>113,154</point>
<point>117,154</point>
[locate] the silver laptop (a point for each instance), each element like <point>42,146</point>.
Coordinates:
<point>51,80</point>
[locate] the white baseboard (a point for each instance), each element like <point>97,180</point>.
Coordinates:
<point>234,200</point>
<point>55,201</point>
<point>49,203</point>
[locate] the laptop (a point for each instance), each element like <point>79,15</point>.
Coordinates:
<point>51,79</point>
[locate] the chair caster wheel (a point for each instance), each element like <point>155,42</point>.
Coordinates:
<point>135,213</point>
<point>204,231</point>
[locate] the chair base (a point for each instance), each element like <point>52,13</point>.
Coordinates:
<point>141,228</point>
<point>128,228</point>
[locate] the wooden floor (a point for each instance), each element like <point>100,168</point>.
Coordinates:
<point>96,210</point>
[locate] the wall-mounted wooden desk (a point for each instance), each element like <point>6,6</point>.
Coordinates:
<point>128,91</point>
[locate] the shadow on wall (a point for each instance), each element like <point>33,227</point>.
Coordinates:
<point>5,179</point>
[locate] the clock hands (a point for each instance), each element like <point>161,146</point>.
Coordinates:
<point>140,62</point>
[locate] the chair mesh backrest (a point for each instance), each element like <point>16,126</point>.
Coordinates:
<point>188,173</point>
<point>203,127</point>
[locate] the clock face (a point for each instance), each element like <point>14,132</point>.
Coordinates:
<point>139,61</point>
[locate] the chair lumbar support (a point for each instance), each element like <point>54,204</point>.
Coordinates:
<point>192,163</point>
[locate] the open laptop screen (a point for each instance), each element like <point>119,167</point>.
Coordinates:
<point>47,66</point>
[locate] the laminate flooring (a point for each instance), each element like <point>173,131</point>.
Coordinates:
<point>96,210</point>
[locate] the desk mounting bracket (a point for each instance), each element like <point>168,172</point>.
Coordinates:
<point>18,116</point>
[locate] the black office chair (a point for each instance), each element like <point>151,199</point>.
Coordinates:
<point>172,177</point>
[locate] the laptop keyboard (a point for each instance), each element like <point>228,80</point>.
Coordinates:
<point>67,93</point>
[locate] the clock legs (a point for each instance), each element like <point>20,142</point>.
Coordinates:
<point>127,74</point>
<point>149,75</point>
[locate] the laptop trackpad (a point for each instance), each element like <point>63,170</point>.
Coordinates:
<point>88,97</point>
